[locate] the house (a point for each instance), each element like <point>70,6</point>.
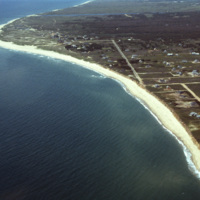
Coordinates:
<point>195,61</point>
<point>173,69</point>
<point>133,56</point>
<point>184,61</point>
<point>195,53</point>
<point>55,35</point>
<point>162,80</point>
<point>168,64</point>
<point>79,37</point>
<point>193,114</point>
<point>85,37</point>
<point>179,67</point>
<point>180,73</point>
<point>148,66</point>
<point>156,86</point>
<point>168,87</point>
<point>195,72</point>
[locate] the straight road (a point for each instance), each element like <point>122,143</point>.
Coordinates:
<point>128,63</point>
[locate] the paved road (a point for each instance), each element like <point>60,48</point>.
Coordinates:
<point>128,63</point>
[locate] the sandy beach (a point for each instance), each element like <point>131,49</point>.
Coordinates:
<point>162,112</point>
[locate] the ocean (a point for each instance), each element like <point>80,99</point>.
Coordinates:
<point>68,133</point>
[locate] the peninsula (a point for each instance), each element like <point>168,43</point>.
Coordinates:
<point>151,47</point>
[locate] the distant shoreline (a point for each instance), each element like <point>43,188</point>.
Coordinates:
<point>86,2</point>
<point>158,108</point>
<point>9,22</point>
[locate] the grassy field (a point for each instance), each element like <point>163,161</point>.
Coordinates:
<point>195,88</point>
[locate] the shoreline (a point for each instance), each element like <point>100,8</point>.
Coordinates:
<point>158,108</point>
<point>84,3</point>
<point>9,22</point>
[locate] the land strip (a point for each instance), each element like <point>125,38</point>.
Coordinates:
<point>159,50</point>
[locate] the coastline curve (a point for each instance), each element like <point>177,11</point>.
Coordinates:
<point>149,101</point>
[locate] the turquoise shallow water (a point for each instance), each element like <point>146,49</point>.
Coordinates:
<point>70,133</point>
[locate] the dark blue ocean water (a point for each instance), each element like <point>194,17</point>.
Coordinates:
<point>67,133</point>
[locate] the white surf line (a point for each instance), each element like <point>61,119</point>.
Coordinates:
<point>84,3</point>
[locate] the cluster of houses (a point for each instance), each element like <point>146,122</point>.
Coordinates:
<point>194,114</point>
<point>177,70</point>
<point>105,57</point>
<point>84,47</point>
<point>109,61</point>
<point>162,80</point>
<point>166,88</point>
<point>65,39</point>
<point>176,54</point>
